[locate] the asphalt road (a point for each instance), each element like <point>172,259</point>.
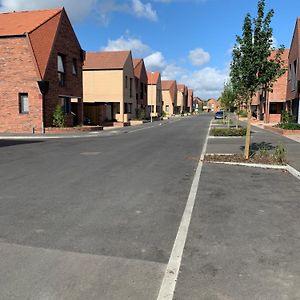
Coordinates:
<point>94,218</point>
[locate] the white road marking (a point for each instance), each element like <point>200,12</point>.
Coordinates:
<point>167,288</point>
<point>144,128</point>
<point>288,168</point>
<point>225,137</point>
<point>293,171</point>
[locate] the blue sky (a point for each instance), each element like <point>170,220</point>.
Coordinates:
<point>187,40</point>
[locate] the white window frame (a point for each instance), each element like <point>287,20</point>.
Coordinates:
<point>23,103</point>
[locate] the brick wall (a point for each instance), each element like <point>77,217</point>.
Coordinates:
<point>65,44</point>
<point>294,55</point>
<point>18,75</point>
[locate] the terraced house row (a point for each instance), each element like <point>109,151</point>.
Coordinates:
<point>268,106</point>
<point>42,65</point>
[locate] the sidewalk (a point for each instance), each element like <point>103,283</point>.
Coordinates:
<point>265,126</point>
<point>260,138</point>
<point>243,241</point>
<point>243,238</point>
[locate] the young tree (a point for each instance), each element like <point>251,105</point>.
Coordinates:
<point>227,99</point>
<point>251,66</point>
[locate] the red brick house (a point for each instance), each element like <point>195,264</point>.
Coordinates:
<point>182,96</point>
<point>268,106</point>
<point>40,67</point>
<point>169,96</point>
<point>190,100</point>
<point>212,105</point>
<point>293,87</point>
<point>109,87</point>
<point>155,93</point>
<point>141,85</point>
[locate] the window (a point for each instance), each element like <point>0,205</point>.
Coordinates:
<point>294,75</point>
<point>167,108</point>
<point>74,67</point>
<point>117,107</point>
<point>142,91</point>
<point>130,87</point>
<point>23,103</point>
<point>127,108</point>
<point>126,82</point>
<point>61,69</point>
<point>273,108</point>
<point>66,105</point>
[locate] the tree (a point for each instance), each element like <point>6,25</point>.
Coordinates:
<point>227,99</point>
<point>252,67</point>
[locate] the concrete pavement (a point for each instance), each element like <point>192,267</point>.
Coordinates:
<point>244,240</point>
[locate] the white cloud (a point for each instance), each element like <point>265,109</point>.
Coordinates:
<point>127,43</point>
<point>75,12</point>
<point>172,72</point>
<point>107,7</point>
<point>199,57</point>
<point>207,82</point>
<point>80,9</point>
<point>274,42</point>
<point>144,10</point>
<point>155,62</point>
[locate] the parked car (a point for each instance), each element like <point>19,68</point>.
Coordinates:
<point>219,115</point>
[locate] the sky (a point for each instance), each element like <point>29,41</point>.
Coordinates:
<point>186,40</point>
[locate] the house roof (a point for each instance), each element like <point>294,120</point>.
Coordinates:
<point>296,32</point>
<point>138,64</point>
<point>22,22</point>
<point>136,61</point>
<point>153,77</point>
<point>41,26</point>
<point>181,87</point>
<point>167,84</point>
<point>107,60</point>
<point>190,93</point>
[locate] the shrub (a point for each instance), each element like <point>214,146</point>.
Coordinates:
<point>242,113</point>
<point>141,115</point>
<point>287,118</point>
<point>290,126</point>
<point>288,121</point>
<point>163,114</point>
<point>58,118</point>
<point>228,131</point>
<point>263,151</point>
<point>280,153</point>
